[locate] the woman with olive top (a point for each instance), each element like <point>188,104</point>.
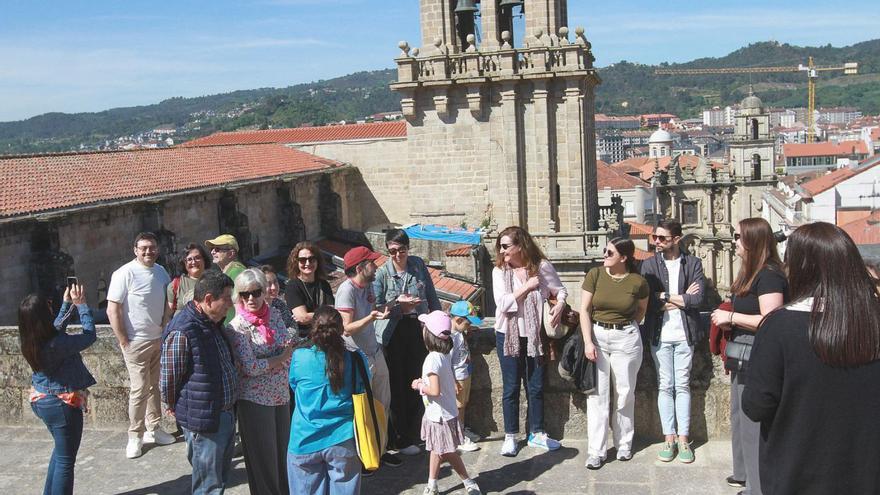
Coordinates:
<point>614,300</point>
<point>404,285</point>
<point>307,288</point>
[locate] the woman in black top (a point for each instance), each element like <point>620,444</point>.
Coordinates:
<point>759,288</point>
<point>814,372</point>
<point>307,288</point>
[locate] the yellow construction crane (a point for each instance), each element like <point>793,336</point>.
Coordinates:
<point>849,68</point>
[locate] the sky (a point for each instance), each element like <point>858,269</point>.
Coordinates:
<point>92,55</point>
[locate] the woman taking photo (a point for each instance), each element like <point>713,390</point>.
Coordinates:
<point>322,457</point>
<point>814,371</point>
<point>307,287</point>
<point>262,345</point>
<point>60,379</point>
<point>404,285</point>
<point>614,300</point>
<point>193,263</point>
<point>759,288</point>
<point>522,281</point>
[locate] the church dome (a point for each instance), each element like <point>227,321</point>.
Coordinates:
<point>660,136</point>
<point>752,102</point>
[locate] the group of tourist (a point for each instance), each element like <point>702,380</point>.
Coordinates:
<point>224,351</point>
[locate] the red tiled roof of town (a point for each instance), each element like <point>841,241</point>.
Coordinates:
<point>875,135</point>
<point>639,229</point>
<point>842,149</point>
<point>642,255</point>
<point>463,251</point>
<point>608,177</point>
<point>38,183</point>
<point>827,181</point>
<point>646,165</point>
<point>865,230</point>
<point>348,132</point>
<point>443,283</point>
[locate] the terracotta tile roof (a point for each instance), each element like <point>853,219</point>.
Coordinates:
<point>349,132</point>
<point>827,181</point>
<point>608,177</point>
<point>642,255</point>
<point>843,149</point>
<point>865,230</point>
<point>464,251</point>
<point>645,165</point>
<point>38,183</point>
<point>875,134</point>
<point>443,283</point>
<point>639,229</point>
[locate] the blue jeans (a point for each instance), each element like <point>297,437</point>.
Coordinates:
<point>65,423</point>
<point>673,362</point>
<point>515,370</point>
<point>335,470</point>
<point>210,455</point>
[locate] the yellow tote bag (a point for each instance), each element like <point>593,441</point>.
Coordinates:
<point>370,423</point>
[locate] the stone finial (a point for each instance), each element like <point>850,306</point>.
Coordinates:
<point>471,40</point>
<point>404,49</point>
<point>438,43</point>
<point>563,36</point>
<point>539,33</point>
<point>580,39</point>
<point>415,52</point>
<point>505,37</point>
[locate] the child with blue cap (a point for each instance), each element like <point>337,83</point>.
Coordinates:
<point>463,316</point>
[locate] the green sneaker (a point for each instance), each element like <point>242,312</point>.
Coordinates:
<point>667,453</point>
<point>685,454</point>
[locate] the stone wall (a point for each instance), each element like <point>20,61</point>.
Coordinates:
<point>92,243</point>
<point>565,408</point>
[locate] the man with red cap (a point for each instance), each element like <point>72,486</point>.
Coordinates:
<point>356,303</point>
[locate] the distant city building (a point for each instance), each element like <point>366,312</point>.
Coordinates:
<point>660,144</point>
<point>614,122</point>
<point>802,157</point>
<point>656,119</point>
<point>838,115</point>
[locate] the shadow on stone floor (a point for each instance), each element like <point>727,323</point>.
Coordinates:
<point>183,484</point>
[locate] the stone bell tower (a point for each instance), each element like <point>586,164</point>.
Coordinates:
<point>501,131</point>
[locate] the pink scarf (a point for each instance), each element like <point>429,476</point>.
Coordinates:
<point>260,320</point>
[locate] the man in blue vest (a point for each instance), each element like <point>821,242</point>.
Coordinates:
<point>198,382</point>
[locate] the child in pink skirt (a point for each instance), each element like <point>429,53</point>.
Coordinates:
<point>441,430</point>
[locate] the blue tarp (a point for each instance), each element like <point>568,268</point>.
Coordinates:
<point>444,233</point>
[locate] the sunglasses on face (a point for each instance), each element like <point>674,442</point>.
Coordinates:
<point>303,260</point>
<point>221,248</point>
<point>505,247</point>
<point>661,238</point>
<point>246,294</point>
<point>608,253</point>
<point>736,237</point>
<point>396,251</point>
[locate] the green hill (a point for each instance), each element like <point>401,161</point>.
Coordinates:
<point>627,88</point>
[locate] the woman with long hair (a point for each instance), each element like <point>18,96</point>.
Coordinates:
<point>814,371</point>
<point>307,286</point>
<point>262,345</point>
<point>614,300</point>
<point>404,285</point>
<point>60,380</point>
<point>321,455</point>
<point>759,288</point>
<point>522,281</point>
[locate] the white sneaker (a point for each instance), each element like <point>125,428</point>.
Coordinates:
<point>133,449</point>
<point>159,437</point>
<point>411,450</point>
<point>509,447</point>
<point>473,436</point>
<point>468,445</point>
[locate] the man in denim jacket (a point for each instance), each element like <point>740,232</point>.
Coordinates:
<point>404,285</point>
<point>672,324</point>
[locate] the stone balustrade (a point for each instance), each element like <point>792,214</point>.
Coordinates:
<point>565,408</point>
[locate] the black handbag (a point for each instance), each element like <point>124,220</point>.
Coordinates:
<point>738,350</point>
<point>575,367</point>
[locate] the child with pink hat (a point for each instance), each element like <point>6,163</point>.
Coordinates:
<point>441,429</point>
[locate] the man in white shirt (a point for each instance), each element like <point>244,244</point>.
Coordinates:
<point>135,305</point>
<point>672,324</point>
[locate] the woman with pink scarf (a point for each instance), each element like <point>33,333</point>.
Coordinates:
<point>262,345</point>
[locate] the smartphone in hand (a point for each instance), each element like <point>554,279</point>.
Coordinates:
<point>71,281</point>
